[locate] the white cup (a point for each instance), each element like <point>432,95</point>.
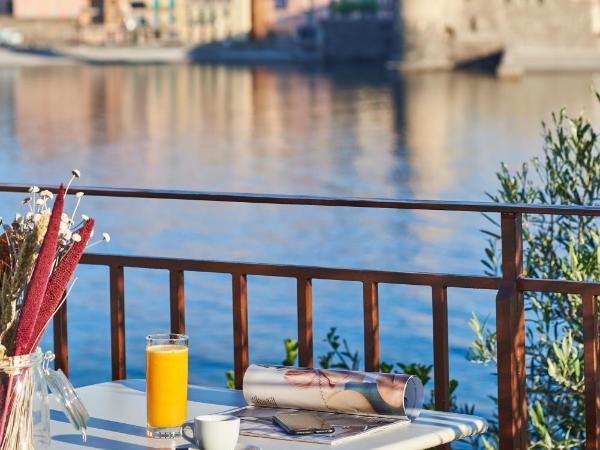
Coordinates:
<point>213,432</point>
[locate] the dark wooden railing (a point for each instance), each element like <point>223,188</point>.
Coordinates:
<point>510,312</point>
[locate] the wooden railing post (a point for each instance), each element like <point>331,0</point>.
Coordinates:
<point>117,322</point>
<point>510,329</point>
<point>441,367</point>
<point>240,327</point>
<point>305,325</point>
<point>441,371</point>
<point>177,301</point>
<point>61,348</point>
<point>592,382</point>
<point>371,325</point>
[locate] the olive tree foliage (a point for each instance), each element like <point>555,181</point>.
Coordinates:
<point>558,247</point>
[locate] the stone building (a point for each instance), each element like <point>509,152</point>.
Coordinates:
<point>160,18</point>
<point>551,35</point>
<point>200,22</point>
<point>527,34</point>
<point>186,22</point>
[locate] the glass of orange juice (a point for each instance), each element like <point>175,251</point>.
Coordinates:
<point>166,384</point>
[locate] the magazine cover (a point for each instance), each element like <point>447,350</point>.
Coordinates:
<point>345,391</point>
<point>352,402</point>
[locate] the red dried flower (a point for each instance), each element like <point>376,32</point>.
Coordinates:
<point>39,279</point>
<point>59,282</point>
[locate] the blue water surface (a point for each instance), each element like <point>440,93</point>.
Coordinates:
<point>340,132</point>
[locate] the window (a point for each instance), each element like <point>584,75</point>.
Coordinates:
<point>473,24</point>
<point>595,18</point>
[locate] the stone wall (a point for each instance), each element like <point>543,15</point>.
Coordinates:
<point>550,23</point>
<point>532,34</point>
<point>439,34</point>
<point>426,40</point>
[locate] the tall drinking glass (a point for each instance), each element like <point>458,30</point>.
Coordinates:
<point>166,384</point>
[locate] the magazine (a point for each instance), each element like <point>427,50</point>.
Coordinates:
<point>353,403</point>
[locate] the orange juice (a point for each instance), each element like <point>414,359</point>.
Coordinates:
<point>166,385</point>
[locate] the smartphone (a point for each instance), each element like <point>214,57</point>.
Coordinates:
<point>302,423</point>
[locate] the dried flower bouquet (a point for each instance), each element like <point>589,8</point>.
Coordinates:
<point>39,251</point>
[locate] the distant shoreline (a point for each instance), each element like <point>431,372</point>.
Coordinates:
<point>525,62</point>
<point>35,57</point>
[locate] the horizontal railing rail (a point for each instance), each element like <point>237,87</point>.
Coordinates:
<point>510,287</point>
<point>308,200</point>
<point>293,271</point>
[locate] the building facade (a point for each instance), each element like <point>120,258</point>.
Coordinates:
<point>45,9</point>
<point>285,17</point>
<point>200,22</point>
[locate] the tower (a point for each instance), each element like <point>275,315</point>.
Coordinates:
<point>427,33</point>
<point>441,34</point>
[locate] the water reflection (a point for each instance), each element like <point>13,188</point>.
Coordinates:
<point>422,136</point>
<point>346,132</point>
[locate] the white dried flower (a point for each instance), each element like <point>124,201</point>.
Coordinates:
<point>65,218</point>
<point>68,235</point>
<point>106,237</point>
<point>29,216</point>
<point>85,218</point>
<point>17,217</point>
<point>40,202</point>
<point>79,195</point>
<point>76,237</point>
<point>76,173</point>
<point>34,189</point>
<point>37,217</point>
<point>47,194</point>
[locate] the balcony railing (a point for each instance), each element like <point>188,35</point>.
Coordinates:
<point>510,312</point>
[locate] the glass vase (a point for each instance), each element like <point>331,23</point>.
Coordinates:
<point>24,406</point>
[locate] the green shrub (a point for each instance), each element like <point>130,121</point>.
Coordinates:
<point>559,247</point>
<point>340,356</point>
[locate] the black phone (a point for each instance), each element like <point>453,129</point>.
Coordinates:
<point>302,423</point>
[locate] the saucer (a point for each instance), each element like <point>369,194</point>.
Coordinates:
<point>237,447</point>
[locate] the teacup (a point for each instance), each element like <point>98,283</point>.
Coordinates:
<point>213,432</point>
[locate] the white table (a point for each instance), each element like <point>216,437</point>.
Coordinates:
<point>118,415</point>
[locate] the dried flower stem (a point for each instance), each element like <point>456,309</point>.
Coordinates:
<point>19,428</point>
